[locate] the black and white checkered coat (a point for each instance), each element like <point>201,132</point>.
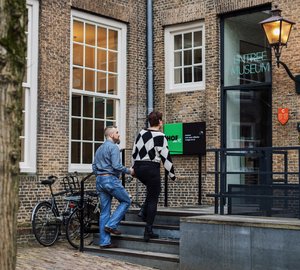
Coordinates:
<point>153,146</point>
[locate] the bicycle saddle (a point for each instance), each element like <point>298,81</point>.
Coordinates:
<point>51,179</point>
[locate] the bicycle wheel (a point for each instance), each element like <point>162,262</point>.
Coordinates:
<point>45,224</point>
<point>73,226</point>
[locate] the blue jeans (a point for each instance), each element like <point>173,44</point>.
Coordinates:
<point>107,188</point>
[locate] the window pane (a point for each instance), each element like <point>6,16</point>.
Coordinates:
<point>89,80</point>
<point>99,108</point>
<point>87,153</point>
<point>110,123</point>
<point>188,75</point>
<point>110,109</point>
<point>77,31</point>
<point>87,129</point>
<point>187,57</point>
<point>90,34</point>
<point>77,78</point>
<point>90,57</point>
<point>76,105</point>
<point>101,59</point>
<point>188,40</point>
<point>76,127</point>
<point>178,42</point>
<point>88,106</point>
<point>177,75</point>
<point>75,157</point>
<point>96,146</point>
<point>112,61</point>
<point>22,150</point>
<point>197,38</point>
<point>197,56</point>
<point>99,130</point>
<point>177,59</point>
<point>112,84</point>
<point>102,37</point>
<point>113,40</point>
<point>77,54</point>
<point>198,74</point>
<point>101,82</point>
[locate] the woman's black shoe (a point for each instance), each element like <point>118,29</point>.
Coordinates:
<point>149,234</point>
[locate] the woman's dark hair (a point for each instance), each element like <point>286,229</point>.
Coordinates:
<point>154,118</point>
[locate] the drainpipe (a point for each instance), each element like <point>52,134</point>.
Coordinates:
<point>149,57</point>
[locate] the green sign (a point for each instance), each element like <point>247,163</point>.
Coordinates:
<point>173,133</point>
<point>186,138</point>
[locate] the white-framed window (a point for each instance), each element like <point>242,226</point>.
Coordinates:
<point>29,96</point>
<point>184,57</point>
<point>98,85</point>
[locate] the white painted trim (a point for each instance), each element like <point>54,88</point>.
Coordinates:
<point>170,31</point>
<point>31,92</point>
<point>122,80</point>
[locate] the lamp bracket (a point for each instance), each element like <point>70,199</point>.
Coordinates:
<point>295,78</point>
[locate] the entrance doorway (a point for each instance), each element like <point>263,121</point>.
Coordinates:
<point>246,95</point>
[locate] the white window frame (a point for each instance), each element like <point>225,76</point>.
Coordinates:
<point>170,32</point>
<point>31,90</point>
<point>122,73</point>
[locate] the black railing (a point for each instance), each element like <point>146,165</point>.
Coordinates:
<point>257,181</point>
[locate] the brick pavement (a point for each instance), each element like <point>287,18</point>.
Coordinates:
<point>61,256</point>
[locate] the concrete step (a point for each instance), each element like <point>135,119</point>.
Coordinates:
<point>138,228</point>
<point>128,241</point>
<point>158,260</point>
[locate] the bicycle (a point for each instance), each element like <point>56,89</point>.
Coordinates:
<point>46,218</point>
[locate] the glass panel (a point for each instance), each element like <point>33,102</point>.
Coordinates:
<point>247,120</point>
<point>187,75</point>
<point>111,109</point>
<point>87,153</point>
<point>99,130</point>
<point>78,31</point>
<point>101,59</point>
<point>89,80</point>
<point>23,125</point>
<point>198,74</point>
<point>88,106</point>
<point>87,129</point>
<point>112,61</point>
<point>197,38</point>
<point>99,108</point>
<point>77,54</point>
<point>177,59</point>
<point>101,82</point>
<point>113,40</point>
<point>96,146</point>
<point>178,42</point>
<point>187,40</point>
<point>76,128</point>
<point>188,57</point>
<point>76,105</point>
<point>75,152</point>
<point>247,58</point>
<point>77,78</point>
<point>178,75</point>
<point>112,84</point>
<point>102,38</point>
<point>90,34</point>
<point>90,57</point>
<point>110,123</point>
<point>197,56</point>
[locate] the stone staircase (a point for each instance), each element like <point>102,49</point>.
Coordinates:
<point>162,253</point>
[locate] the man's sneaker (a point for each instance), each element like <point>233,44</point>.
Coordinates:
<point>113,231</point>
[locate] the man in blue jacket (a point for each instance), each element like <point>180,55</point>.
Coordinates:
<point>107,167</point>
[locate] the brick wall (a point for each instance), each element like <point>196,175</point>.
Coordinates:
<point>202,105</point>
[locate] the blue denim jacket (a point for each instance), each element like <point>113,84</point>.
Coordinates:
<point>107,160</point>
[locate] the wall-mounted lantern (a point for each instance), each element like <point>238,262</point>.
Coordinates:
<point>277,30</point>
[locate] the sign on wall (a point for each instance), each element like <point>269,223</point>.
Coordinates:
<point>186,138</point>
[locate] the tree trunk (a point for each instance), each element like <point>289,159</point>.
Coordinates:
<point>12,67</point>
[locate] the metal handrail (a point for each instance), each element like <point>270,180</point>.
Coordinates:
<point>267,155</point>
